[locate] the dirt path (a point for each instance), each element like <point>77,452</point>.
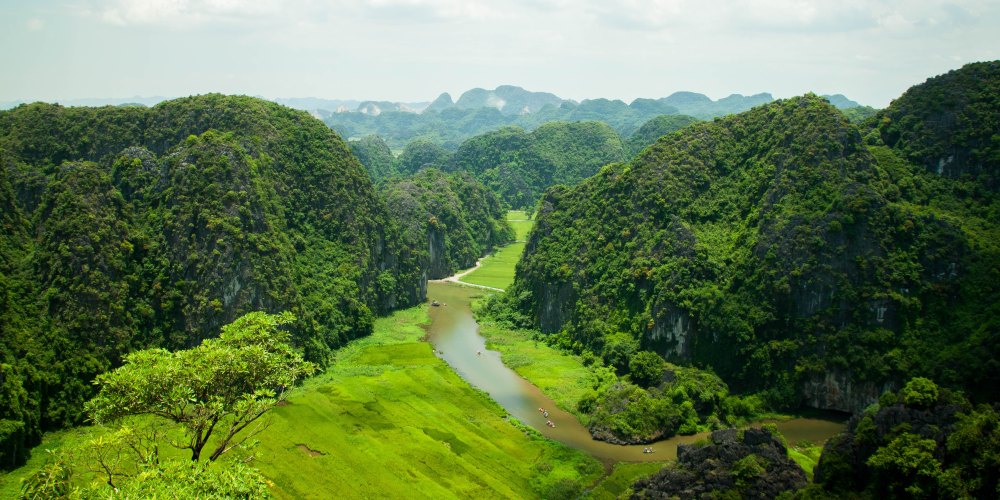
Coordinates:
<point>456,278</point>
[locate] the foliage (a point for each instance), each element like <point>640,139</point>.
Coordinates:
<point>919,392</point>
<point>519,166</point>
<point>786,236</point>
<point>949,123</point>
<point>375,155</point>
<point>448,221</point>
<point>421,154</point>
<point>50,481</point>
<point>224,384</point>
<point>645,368</point>
<point>907,467</point>
<point>655,128</point>
<point>125,228</point>
<point>944,448</point>
<point>169,478</point>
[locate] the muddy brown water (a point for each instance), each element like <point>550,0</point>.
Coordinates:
<point>455,335</point>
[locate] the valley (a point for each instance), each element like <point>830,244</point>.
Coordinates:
<point>573,300</point>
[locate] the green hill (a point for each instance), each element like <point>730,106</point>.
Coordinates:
<point>128,227</point>
<point>652,130</point>
<point>448,221</point>
<point>785,252</point>
<point>949,123</point>
<point>519,166</point>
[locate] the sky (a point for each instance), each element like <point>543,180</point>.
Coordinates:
<point>412,50</point>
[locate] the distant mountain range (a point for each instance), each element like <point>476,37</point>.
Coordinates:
<point>448,122</point>
<point>508,99</point>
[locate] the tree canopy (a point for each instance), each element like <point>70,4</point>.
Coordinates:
<point>219,388</point>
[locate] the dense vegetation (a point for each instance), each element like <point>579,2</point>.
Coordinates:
<point>624,396</point>
<point>127,228</point>
<point>211,397</point>
<point>420,154</point>
<point>829,266</point>
<point>949,124</point>
<point>388,419</point>
<point>652,130</point>
<point>923,442</point>
<point>519,166</point>
<point>376,156</point>
<point>447,221</point>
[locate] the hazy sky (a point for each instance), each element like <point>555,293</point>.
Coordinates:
<point>411,50</point>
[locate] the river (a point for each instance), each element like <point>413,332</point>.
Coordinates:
<point>455,335</point>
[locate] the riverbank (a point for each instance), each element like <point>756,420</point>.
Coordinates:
<point>496,270</point>
<point>565,378</point>
<point>388,419</point>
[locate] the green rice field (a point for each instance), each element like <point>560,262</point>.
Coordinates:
<point>497,269</point>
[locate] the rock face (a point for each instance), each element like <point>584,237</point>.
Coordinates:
<point>752,464</point>
<point>834,390</point>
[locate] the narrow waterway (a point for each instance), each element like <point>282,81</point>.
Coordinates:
<point>455,335</point>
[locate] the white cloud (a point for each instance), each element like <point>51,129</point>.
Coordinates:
<point>185,13</point>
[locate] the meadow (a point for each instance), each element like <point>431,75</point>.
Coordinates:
<point>497,269</point>
<point>389,419</point>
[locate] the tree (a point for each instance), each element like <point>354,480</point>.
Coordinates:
<point>618,350</point>
<point>646,368</point>
<point>220,387</point>
<point>906,467</point>
<point>919,392</point>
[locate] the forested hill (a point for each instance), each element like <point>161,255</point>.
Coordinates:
<point>519,166</point>
<point>448,221</point>
<point>949,123</point>
<point>130,227</point>
<point>479,111</point>
<point>787,250</point>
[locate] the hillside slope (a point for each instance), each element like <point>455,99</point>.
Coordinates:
<point>448,221</point>
<point>126,228</point>
<point>783,251</point>
<point>519,166</point>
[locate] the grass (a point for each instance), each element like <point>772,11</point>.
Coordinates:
<point>621,479</point>
<point>390,419</point>
<point>521,224</point>
<point>561,376</point>
<point>807,456</point>
<point>497,269</point>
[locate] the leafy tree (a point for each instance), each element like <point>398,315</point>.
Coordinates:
<point>619,348</point>
<point>220,388</point>
<point>906,467</point>
<point>646,368</point>
<point>919,392</point>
